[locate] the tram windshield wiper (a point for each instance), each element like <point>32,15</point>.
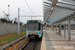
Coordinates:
<point>34,28</point>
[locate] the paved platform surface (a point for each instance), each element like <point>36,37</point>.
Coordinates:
<point>53,41</point>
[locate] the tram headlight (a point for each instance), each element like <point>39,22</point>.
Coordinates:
<point>36,33</point>
<point>40,21</point>
<point>39,32</point>
<point>28,34</point>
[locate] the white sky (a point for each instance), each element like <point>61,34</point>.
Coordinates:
<point>36,6</point>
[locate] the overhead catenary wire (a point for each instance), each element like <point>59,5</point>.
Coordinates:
<point>29,7</point>
<point>25,15</point>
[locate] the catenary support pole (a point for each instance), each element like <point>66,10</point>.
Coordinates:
<point>18,20</point>
<point>69,33</point>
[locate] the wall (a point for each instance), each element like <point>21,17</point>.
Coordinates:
<point>8,28</point>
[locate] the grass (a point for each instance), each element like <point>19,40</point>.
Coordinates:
<point>11,37</point>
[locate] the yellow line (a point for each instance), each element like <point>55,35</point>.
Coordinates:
<point>43,45</point>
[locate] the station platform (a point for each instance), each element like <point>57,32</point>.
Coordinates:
<point>53,41</point>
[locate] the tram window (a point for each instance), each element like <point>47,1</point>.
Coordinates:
<point>33,26</point>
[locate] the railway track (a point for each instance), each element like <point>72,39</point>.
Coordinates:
<point>17,45</point>
<point>32,45</point>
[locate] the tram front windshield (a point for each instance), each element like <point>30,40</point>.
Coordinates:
<point>33,26</point>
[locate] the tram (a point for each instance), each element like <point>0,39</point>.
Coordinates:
<point>34,29</point>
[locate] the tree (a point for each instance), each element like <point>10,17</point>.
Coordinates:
<point>3,20</point>
<point>15,22</point>
<point>20,23</point>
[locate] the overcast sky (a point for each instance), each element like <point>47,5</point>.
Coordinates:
<point>35,5</point>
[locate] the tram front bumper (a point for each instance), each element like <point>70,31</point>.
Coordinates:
<point>33,36</point>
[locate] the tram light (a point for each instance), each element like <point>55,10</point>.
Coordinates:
<point>39,32</point>
<point>28,34</point>
<point>39,21</point>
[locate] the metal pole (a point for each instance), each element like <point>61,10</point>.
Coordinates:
<point>3,13</point>
<point>56,28</point>
<point>18,21</point>
<point>64,31</point>
<point>69,33</point>
<point>8,11</point>
<point>53,28</point>
<point>60,29</point>
<point>45,27</point>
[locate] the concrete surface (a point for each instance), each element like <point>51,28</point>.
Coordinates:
<point>8,28</point>
<point>53,41</point>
